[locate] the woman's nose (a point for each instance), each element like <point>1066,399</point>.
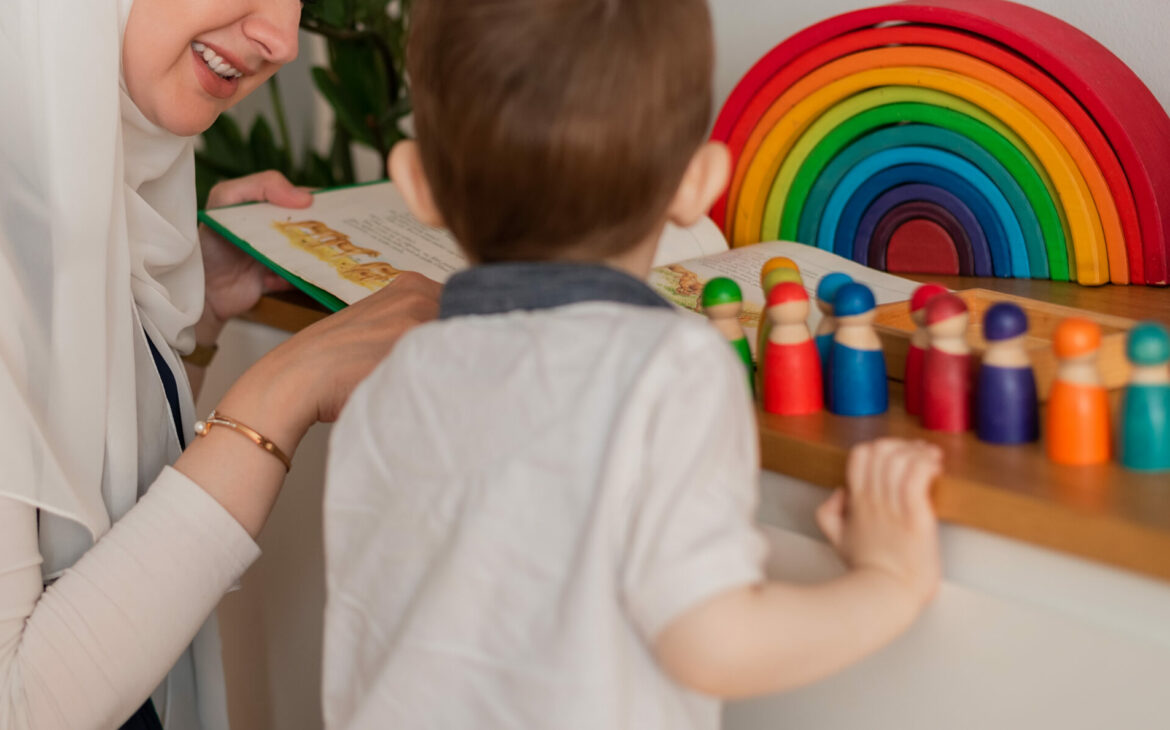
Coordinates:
<point>272,26</point>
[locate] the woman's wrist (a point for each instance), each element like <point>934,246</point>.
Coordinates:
<point>209,326</point>
<point>270,398</point>
<point>230,463</point>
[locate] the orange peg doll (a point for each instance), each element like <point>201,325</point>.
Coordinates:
<point>791,365</point>
<point>1078,425</point>
<point>919,342</point>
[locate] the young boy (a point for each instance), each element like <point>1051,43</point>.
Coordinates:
<point>539,510</point>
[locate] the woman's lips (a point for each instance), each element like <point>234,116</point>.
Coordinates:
<point>212,83</point>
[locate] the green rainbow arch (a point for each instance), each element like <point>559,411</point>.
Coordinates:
<point>926,110</point>
<point>945,140</point>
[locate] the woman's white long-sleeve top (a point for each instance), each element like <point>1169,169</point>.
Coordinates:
<point>88,650</point>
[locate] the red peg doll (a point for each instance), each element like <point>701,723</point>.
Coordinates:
<point>946,368</point>
<point>774,271</point>
<point>919,342</point>
<point>792,367</point>
<point>1077,423</point>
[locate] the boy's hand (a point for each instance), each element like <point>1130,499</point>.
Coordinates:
<point>883,521</point>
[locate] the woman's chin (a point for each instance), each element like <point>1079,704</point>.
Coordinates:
<point>191,120</point>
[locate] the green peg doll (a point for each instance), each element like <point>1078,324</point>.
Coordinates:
<point>722,302</point>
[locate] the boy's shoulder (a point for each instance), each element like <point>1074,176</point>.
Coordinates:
<point>628,338</point>
<point>606,324</point>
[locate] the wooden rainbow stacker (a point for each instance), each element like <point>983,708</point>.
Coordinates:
<point>1031,149</point>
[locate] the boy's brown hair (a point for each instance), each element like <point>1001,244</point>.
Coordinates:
<point>558,128</point>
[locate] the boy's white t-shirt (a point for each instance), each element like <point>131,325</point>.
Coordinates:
<point>517,504</point>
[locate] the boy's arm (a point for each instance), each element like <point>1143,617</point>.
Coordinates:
<point>776,636</point>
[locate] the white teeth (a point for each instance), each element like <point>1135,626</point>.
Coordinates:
<point>215,62</point>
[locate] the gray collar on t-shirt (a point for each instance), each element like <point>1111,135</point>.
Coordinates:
<point>526,286</point>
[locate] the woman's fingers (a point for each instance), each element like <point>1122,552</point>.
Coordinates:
<point>344,348</point>
<point>268,186</point>
<point>274,282</point>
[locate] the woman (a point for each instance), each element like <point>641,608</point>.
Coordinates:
<point>111,561</point>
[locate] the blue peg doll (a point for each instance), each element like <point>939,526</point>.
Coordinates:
<point>827,290</point>
<point>858,367</point>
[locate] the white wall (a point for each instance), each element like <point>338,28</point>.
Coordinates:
<point>1135,30</point>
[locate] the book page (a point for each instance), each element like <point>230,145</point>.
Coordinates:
<point>682,282</point>
<point>349,242</point>
<point>680,244</point>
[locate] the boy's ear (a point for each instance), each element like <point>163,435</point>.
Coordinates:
<point>702,184</point>
<point>406,170</point>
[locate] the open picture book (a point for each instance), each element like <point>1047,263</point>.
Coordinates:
<point>352,241</point>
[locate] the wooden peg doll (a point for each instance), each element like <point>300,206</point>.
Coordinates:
<point>1145,408</point>
<point>790,364</point>
<point>919,342</point>
<point>1006,406</point>
<point>776,276</point>
<point>946,369</point>
<point>858,367</point>
<point>722,302</point>
<point>774,263</point>
<point>826,329</point>
<point>774,271</point>
<point>1077,423</point>
<point>826,293</point>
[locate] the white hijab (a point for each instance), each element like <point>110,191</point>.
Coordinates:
<point>98,244</point>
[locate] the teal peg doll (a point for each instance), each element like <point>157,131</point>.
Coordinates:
<point>1145,408</point>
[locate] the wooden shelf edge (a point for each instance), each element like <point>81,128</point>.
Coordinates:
<point>1097,537</point>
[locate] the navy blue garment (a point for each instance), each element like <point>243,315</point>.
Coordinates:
<point>145,719</point>
<point>171,387</point>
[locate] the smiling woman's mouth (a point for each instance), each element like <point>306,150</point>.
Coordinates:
<point>214,62</point>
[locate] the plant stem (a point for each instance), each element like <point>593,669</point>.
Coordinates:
<point>281,118</point>
<point>340,155</point>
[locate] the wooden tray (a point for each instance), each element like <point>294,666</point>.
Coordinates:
<point>894,326</point>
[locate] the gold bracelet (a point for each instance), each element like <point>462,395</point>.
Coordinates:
<point>214,419</point>
<point>201,356</point>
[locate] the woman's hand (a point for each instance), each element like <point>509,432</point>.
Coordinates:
<point>234,280</point>
<point>309,377</point>
<point>306,379</point>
